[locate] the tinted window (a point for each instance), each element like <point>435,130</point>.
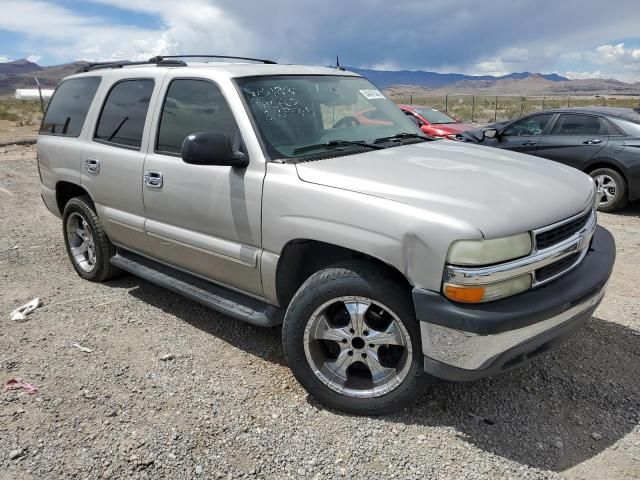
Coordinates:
<point>528,126</point>
<point>579,125</point>
<point>193,106</point>
<point>69,106</point>
<point>124,112</point>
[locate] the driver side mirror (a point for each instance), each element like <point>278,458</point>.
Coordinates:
<point>212,149</point>
<point>490,133</point>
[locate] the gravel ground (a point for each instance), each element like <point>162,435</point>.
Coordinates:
<point>173,390</point>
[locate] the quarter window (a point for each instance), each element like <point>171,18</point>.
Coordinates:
<point>194,106</point>
<point>69,106</point>
<point>530,126</point>
<point>124,112</point>
<point>579,125</point>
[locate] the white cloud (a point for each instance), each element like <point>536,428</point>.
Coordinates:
<point>4,59</point>
<point>411,37</point>
<point>59,31</point>
<point>34,58</point>
<point>583,75</point>
<point>618,54</point>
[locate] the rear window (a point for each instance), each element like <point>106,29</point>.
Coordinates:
<point>69,106</point>
<point>633,116</point>
<point>124,113</point>
<point>579,125</point>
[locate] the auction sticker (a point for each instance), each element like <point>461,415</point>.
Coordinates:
<point>371,94</point>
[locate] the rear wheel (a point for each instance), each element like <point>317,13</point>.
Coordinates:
<point>88,245</point>
<point>612,189</point>
<point>351,339</point>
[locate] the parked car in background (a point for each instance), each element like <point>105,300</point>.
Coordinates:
<point>435,123</point>
<point>603,142</point>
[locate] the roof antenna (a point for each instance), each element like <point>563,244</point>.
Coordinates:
<point>338,67</point>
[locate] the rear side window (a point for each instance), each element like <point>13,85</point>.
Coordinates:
<point>124,112</point>
<point>194,106</point>
<point>69,106</point>
<point>579,125</point>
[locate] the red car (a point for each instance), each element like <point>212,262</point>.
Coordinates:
<point>435,123</point>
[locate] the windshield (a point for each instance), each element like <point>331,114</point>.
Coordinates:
<point>432,115</point>
<point>292,112</point>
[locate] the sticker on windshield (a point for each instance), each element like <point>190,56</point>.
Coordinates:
<point>371,94</point>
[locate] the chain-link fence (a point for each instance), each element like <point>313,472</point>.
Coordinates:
<point>496,108</point>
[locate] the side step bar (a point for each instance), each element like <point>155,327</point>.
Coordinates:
<point>218,298</point>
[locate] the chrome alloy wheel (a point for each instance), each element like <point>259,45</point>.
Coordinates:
<point>81,242</point>
<point>607,189</point>
<point>357,347</point>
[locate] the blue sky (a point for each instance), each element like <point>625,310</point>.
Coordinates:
<point>578,39</point>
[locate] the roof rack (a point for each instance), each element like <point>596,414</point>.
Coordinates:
<point>261,60</point>
<point>127,63</point>
<point>163,60</point>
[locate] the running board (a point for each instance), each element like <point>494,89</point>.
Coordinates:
<point>218,298</point>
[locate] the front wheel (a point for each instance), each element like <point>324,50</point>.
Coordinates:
<point>351,339</point>
<point>612,189</point>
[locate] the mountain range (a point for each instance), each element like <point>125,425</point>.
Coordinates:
<point>20,73</point>
<point>420,78</point>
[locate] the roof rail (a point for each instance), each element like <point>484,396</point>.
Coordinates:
<point>127,63</point>
<point>163,60</point>
<point>261,60</point>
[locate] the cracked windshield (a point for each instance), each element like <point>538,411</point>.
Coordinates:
<point>302,115</point>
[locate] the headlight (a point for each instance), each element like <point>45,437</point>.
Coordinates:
<point>486,252</point>
<point>488,292</point>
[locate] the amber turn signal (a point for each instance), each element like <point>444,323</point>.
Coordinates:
<point>464,294</point>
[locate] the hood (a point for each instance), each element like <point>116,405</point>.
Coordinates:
<point>497,191</point>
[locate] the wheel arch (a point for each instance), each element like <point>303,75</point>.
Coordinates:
<point>301,258</point>
<point>606,163</point>
<point>65,191</point>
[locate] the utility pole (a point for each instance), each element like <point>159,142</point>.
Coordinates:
<point>39,93</point>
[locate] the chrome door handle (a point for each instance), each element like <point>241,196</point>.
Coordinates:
<point>92,165</point>
<point>528,144</point>
<point>153,179</point>
<point>594,141</point>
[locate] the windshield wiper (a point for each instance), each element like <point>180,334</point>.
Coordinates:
<point>336,143</point>
<point>402,136</point>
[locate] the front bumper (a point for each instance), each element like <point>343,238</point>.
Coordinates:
<point>464,341</point>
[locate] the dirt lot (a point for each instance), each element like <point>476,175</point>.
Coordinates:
<point>224,405</point>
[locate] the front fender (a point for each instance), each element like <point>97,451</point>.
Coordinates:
<point>410,239</point>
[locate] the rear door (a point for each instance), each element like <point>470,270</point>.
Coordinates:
<point>522,135</point>
<point>575,138</point>
<point>113,158</point>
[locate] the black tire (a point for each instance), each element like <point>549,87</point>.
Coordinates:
<point>621,197</point>
<point>102,269</point>
<point>359,279</point>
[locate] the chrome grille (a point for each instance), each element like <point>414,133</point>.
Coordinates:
<point>549,238</point>
<point>550,271</point>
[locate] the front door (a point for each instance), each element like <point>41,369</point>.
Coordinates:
<point>523,135</point>
<point>202,218</point>
<point>575,139</point>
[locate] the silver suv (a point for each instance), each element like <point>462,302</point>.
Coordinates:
<point>302,196</point>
